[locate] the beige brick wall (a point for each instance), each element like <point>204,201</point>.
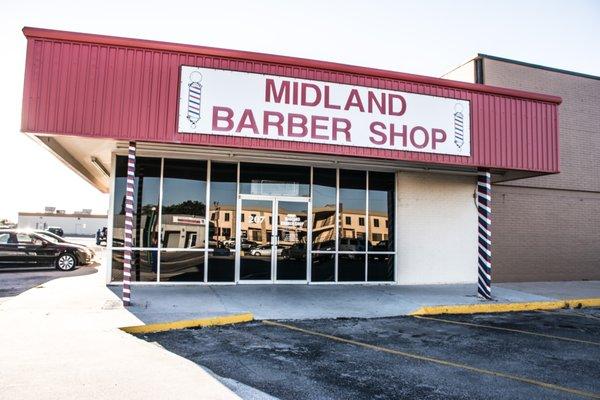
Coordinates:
<point>544,235</point>
<point>547,228</point>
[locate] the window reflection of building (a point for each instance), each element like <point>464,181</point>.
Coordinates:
<point>323,225</point>
<point>221,223</point>
<point>378,227</point>
<point>353,226</point>
<point>183,231</point>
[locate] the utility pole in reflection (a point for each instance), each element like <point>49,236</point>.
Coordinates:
<point>217,209</point>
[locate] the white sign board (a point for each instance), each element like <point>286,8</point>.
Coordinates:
<point>241,104</point>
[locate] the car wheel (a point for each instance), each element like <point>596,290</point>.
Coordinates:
<point>257,253</point>
<point>66,262</point>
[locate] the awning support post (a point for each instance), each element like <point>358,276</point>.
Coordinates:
<point>128,225</point>
<point>484,237</point>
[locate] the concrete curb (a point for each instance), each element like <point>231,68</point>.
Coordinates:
<point>507,307</point>
<point>190,323</point>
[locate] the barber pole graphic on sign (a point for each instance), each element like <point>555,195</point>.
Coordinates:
<point>194,98</point>
<point>127,262</point>
<point>484,211</point>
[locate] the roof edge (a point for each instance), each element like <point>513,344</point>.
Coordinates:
<point>537,66</point>
<point>51,34</point>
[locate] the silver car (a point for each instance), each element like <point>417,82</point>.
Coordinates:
<point>264,250</point>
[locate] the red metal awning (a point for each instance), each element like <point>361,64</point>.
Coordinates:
<point>97,86</point>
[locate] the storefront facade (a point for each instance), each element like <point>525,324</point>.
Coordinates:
<point>230,167</point>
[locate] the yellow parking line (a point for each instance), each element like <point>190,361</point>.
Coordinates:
<point>491,307</point>
<point>189,323</point>
<point>508,330</point>
<point>439,361</point>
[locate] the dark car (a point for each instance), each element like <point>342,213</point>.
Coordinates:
<point>297,251</point>
<point>29,249</point>
<point>382,245</point>
<point>57,230</point>
<point>248,244</point>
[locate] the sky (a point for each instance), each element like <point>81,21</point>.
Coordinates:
<point>422,37</point>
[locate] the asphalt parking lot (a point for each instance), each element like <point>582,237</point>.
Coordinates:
<point>530,355</point>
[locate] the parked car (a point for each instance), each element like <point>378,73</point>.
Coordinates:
<point>328,245</point>
<point>63,240</point>
<point>29,249</point>
<point>229,243</point>
<point>382,245</point>
<point>264,250</point>
<point>248,244</point>
<point>351,244</point>
<point>297,251</point>
<point>57,230</point>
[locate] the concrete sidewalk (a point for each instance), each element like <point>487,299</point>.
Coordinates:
<point>164,303</point>
<point>61,341</point>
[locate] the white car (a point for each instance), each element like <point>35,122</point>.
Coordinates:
<point>264,250</point>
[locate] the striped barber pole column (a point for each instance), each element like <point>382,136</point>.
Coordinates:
<point>484,210</point>
<point>128,225</point>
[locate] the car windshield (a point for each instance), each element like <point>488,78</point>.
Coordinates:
<point>47,238</point>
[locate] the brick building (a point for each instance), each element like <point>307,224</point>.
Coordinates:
<point>547,228</point>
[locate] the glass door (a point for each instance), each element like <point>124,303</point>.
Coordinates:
<point>257,244</point>
<point>290,240</point>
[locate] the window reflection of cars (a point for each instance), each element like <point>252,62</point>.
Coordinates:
<point>351,244</point>
<point>57,230</point>
<point>295,252</point>
<point>221,251</point>
<point>230,243</point>
<point>264,250</point>
<point>328,245</point>
<point>382,245</point>
<point>248,244</point>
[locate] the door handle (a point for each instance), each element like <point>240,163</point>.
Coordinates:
<point>21,247</point>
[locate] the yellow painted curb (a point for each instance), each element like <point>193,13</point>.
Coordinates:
<point>190,323</point>
<point>506,307</point>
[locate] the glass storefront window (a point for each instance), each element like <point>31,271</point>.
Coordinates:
<point>144,265</point>
<point>380,268</point>
<point>351,267</point>
<point>271,180</point>
<point>381,211</point>
<point>323,209</point>
<point>352,207</point>
<point>323,267</point>
<point>181,266</point>
<point>222,222</point>
<point>183,204</point>
<point>364,236</point>
<point>145,202</point>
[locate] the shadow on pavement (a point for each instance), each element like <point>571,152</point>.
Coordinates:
<point>14,281</point>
